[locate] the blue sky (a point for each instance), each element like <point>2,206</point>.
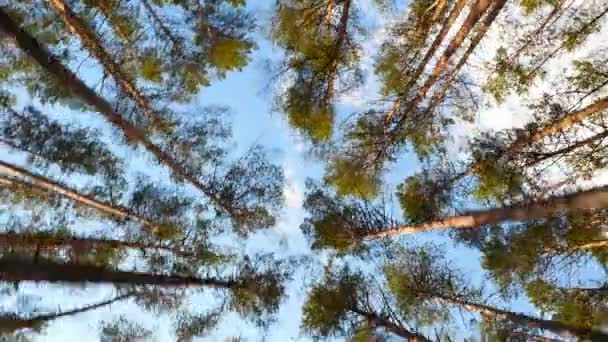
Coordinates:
<point>255,122</point>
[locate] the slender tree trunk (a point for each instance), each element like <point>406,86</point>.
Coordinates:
<point>445,28</point>
<point>439,6</point>
<point>552,207</point>
<point>438,97</point>
<point>12,175</point>
<point>378,321</point>
<point>13,271</point>
<point>329,11</point>
<point>90,41</point>
<point>341,37</point>
<point>477,11</point>
<point>544,156</point>
<point>20,323</point>
<point>50,242</point>
<point>556,327</point>
<point>49,62</point>
<point>562,124</point>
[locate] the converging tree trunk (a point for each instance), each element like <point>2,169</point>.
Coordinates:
<point>377,321</point>
<point>445,28</point>
<point>561,124</point>
<point>133,134</point>
<point>16,322</point>
<point>91,42</point>
<point>555,327</point>
<point>49,242</point>
<point>12,175</point>
<point>15,270</point>
<point>552,207</point>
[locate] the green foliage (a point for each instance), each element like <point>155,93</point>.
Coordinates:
<point>350,179</point>
<point>340,223</point>
<point>508,76</point>
<point>73,149</point>
<point>329,303</point>
<point>421,199</point>
<point>530,6</point>
<point>252,191</point>
<point>190,326</point>
<point>151,69</point>
<point>497,179</point>
<point>589,75</point>
<point>230,54</point>
<point>259,289</point>
<point>123,330</point>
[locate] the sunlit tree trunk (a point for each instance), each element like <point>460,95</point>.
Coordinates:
<point>329,10</point>
<point>562,124</point>
<point>552,207</point>
<point>14,176</point>
<point>555,327</point>
<point>438,97</point>
<point>91,42</point>
<point>476,13</point>
<point>389,326</point>
<point>445,28</point>
<point>133,134</point>
<point>14,271</point>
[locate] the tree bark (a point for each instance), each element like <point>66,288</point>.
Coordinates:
<point>445,28</point>
<point>438,97</point>
<point>544,156</point>
<point>556,206</point>
<point>562,124</point>
<point>20,323</point>
<point>341,37</point>
<point>12,175</point>
<point>13,271</point>
<point>556,327</point>
<point>49,62</point>
<point>378,321</point>
<point>477,11</point>
<point>50,242</point>
<point>89,40</point>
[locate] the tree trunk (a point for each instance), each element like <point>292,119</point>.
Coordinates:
<point>556,327</point>
<point>389,326</point>
<point>12,176</point>
<point>552,207</point>
<point>329,11</point>
<point>544,156</point>
<point>561,124</point>
<point>477,11</point>
<point>50,242</point>
<point>438,97</point>
<point>16,322</point>
<point>13,271</point>
<point>79,28</point>
<point>445,28</point>
<point>49,62</point>
<point>341,37</point>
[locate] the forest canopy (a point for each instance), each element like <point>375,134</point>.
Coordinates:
<point>359,170</point>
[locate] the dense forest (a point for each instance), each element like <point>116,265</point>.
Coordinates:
<point>303,170</point>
